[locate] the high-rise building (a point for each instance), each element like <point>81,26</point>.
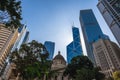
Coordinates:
<point>26,38</point>
<point>21,35</point>
<point>107,56</point>
<point>7,40</point>
<point>91,31</point>
<point>110,10</point>
<point>50,46</point>
<point>74,48</point>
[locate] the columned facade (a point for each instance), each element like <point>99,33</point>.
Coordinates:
<point>58,65</point>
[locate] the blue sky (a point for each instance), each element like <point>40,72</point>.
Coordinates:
<point>52,20</point>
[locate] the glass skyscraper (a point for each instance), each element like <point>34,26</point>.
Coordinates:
<point>50,46</point>
<point>110,10</point>
<point>26,38</point>
<point>21,33</point>
<point>23,37</point>
<point>91,31</point>
<point>74,48</point>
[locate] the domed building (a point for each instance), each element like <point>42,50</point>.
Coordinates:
<point>58,65</point>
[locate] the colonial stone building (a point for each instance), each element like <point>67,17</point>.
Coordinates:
<point>59,65</point>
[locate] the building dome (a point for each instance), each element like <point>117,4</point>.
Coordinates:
<point>59,57</point>
<point>58,62</point>
<point>58,65</point>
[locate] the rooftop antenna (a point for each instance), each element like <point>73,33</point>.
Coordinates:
<point>73,25</point>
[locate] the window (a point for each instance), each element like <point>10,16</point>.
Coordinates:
<point>116,6</point>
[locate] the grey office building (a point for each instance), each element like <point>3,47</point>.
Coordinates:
<point>110,10</point>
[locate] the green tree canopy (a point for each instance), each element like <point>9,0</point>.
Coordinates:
<point>81,68</point>
<point>85,74</point>
<point>116,75</point>
<point>110,78</point>
<point>31,61</point>
<point>78,63</point>
<point>10,13</point>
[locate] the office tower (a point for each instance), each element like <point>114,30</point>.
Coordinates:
<point>7,40</point>
<point>50,46</point>
<point>107,56</point>
<point>21,35</point>
<point>74,48</point>
<point>91,31</point>
<point>110,10</point>
<point>26,38</point>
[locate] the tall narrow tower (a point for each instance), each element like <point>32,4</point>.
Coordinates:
<point>21,35</point>
<point>110,10</point>
<point>26,37</point>
<point>91,31</point>
<point>74,48</point>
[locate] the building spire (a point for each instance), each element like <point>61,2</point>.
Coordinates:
<point>73,24</point>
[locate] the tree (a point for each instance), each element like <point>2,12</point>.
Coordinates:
<point>98,74</point>
<point>89,74</point>
<point>31,61</point>
<point>81,68</point>
<point>78,63</point>
<point>10,13</point>
<point>85,74</point>
<point>110,78</point>
<point>116,75</point>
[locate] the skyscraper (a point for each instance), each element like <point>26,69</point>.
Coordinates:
<point>50,46</point>
<point>110,10</point>
<point>107,56</point>
<point>91,31</point>
<point>21,35</point>
<point>7,40</point>
<point>74,48</point>
<point>26,38</point>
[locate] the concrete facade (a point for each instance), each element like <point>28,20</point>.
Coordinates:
<point>7,40</point>
<point>107,56</point>
<point>58,65</point>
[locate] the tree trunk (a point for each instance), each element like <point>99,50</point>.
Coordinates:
<point>45,77</point>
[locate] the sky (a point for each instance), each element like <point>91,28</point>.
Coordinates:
<point>52,20</point>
